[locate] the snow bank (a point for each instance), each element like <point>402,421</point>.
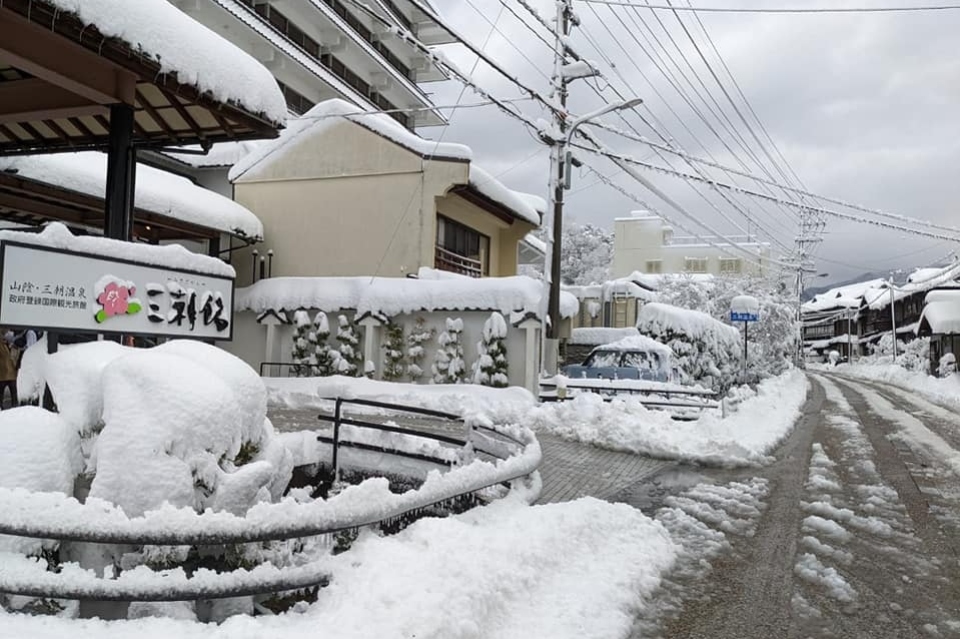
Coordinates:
<point>746,437</point>
<point>57,235</point>
<point>158,192</point>
<point>945,390</point>
<point>198,56</point>
<point>500,404</point>
<point>580,569</point>
<point>515,297</point>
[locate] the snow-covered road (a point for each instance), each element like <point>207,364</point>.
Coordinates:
<point>856,531</point>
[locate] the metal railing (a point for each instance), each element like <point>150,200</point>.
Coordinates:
<point>445,260</point>
<point>78,522</point>
<point>285,368</point>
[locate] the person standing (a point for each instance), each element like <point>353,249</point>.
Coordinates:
<point>8,372</point>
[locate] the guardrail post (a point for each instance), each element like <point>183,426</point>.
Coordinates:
<point>336,440</point>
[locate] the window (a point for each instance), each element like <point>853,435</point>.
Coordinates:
<point>654,266</point>
<point>731,265</point>
<point>461,249</point>
<point>695,264</point>
<point>603,359</point>
<point>296,102</point>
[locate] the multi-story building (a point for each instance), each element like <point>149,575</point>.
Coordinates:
<point>323,49</point>
<point>646,244</point>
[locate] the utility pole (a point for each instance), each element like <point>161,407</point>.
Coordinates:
<point>551,353</point>
<point>807,237</point>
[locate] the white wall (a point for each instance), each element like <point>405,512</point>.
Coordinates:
<point>250,342</point>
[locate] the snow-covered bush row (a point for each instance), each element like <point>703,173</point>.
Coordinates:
<point>772,340</point>
<point>706,350</point>
<point>747,436</point>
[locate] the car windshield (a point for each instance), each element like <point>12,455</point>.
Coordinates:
<point>603,359</point>
<point>642,360</point>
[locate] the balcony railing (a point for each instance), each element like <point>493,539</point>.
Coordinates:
<point>445,260</point>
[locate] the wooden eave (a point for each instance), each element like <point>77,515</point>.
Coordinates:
<point>58,79</point>
<point>493,207</point>
<point>29,202</point>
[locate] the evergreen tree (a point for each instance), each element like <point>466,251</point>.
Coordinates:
<point>350,356</point>
<point>393,356</point>
<point>415,349</point>
<point>303,351</point>
<point>448,366</point>
<point>491,367</point>
<point>325,356</point>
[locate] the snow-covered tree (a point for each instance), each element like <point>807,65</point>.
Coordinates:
<point>448,366</point>
<point>351,358</point>
<point>587,254</point>
<point>393,356</point>
<point>491,367</point>
<point>415,350</point>
<point>304,345</point>
<point>326,357</point>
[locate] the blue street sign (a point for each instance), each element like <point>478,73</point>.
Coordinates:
<point>744,317</point>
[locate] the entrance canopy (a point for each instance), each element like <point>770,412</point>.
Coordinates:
<point>65,65</point>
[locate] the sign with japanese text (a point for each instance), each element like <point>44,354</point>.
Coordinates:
<point>57,290</point>
<point>744,317</point>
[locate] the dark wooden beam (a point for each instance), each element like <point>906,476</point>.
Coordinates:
<point>179,108</point>
<point>157,118</point>
<point>65,64</point>
<point>36,99</point>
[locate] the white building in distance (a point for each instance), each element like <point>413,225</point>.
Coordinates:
<point>645,243</point>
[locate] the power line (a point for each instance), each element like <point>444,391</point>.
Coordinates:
<point>788,10</point>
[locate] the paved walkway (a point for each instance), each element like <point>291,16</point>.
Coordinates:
<point>569,470</point>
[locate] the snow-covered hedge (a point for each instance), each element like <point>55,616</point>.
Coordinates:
<point>706,350</point>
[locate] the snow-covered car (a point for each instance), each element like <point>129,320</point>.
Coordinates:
<point>635,357</point>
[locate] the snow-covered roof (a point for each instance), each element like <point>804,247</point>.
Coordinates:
<point>535,242</point>
<point>199,57</point>
<point>57,235</point>
<point>219,155</point>
<point>528,207</point>
<point>941,313</point>
<point>328,113</point>
<point>922,279</point>
<point>594,336</point>
<point>515,296</point>
<point>849,296</point>
<point>157,191</point>
<point>637,284</point>
<point>638,343</point>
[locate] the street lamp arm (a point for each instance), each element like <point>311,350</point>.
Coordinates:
<point>607,108</point>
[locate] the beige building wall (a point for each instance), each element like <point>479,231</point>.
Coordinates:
<point>643,244</point>
<point>373,211</point>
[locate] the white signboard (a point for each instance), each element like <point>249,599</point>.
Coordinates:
<point>55,290</point>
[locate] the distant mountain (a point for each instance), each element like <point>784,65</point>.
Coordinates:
<point>810,291</point>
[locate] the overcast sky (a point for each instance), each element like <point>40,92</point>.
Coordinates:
<point>864,107</point>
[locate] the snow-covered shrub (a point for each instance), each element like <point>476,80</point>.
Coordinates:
<point>326,358</point>
<point>448,366</point>
<point>916,355</point>
<point>707,351</point>
<point>947,366</point>
<point>351,358</point>
<point>393,356</point>
<point>491,367</point>
<point>772,340</point>
<point>304,345</point>
<point>415,349</point>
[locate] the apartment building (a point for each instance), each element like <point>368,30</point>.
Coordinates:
<point>645,243</point>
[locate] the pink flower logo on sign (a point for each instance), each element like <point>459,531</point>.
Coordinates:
<point>115,296</point>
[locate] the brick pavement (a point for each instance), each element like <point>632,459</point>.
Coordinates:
<point>569,470</point>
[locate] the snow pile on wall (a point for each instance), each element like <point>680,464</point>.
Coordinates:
<point>56,235</point>
<point>198,56</point>
<point>746,437</point>
<point>514,297</point>
<point>158,191</point>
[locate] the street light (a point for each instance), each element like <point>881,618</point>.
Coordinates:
<point>560,181</point>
